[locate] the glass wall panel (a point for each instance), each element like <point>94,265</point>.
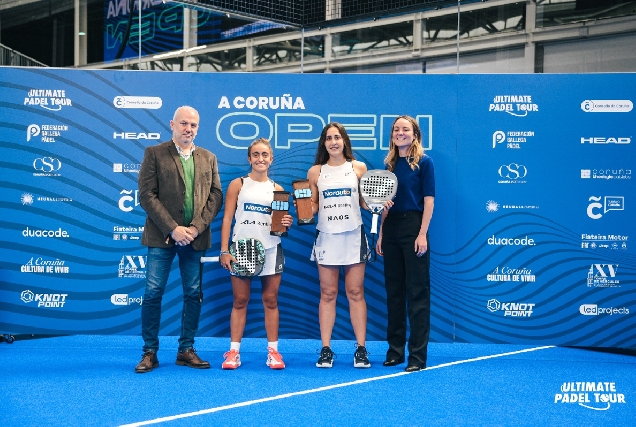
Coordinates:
<point>168,64</point>
<point>401,68</point>
<point>559,12</point>
<point>288,51</point>
<point>485,44</point>
<point>492,62</point>
<point>223,60</point>
<point>371,40</point>
<point>491,39</point>
<point>602,55</point>
<point>475,23</point>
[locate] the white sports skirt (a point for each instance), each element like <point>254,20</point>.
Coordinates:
<point>349,247</point>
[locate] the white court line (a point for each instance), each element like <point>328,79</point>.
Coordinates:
<point>330,387</point>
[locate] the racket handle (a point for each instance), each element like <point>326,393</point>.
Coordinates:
<point>209,259</point>
<point>374,224</point>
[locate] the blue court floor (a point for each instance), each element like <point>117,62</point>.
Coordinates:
<point>90,380</point>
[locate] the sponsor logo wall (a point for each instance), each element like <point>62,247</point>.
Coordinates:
<point>548,261</point>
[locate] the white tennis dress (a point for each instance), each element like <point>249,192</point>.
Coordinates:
<point>253,219</point>
<point>340,238</point>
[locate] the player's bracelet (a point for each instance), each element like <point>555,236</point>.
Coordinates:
<point>223,253</point>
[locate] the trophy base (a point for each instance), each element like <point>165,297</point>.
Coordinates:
<point>305,221</point>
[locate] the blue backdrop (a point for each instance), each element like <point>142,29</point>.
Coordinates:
<point>529,239</point>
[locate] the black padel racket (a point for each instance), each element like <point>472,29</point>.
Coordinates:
<point>250,255</point>
<point>377,187</point>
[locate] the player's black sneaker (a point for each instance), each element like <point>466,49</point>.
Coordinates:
<point>326,358</point>
<point>360,358</point>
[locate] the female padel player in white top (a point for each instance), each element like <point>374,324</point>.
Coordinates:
<point>340,239</point>
<point>248,201</point>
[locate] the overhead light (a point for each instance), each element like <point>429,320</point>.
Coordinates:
<point>178,52</point>
<point>81,33</point>
<point>165,55</point>
<point>195,48</point>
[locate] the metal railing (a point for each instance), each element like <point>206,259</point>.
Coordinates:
<point>13,58</point>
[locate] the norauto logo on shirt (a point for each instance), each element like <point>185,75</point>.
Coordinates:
<point>253,207</point>
<point>336,192</point>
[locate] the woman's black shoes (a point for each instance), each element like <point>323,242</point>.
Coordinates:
<point>392,361</point>
<point>411,367</point>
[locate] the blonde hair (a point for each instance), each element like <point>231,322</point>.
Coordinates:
<point>415,151</point>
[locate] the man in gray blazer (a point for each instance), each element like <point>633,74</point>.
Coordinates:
<point>180,190</point>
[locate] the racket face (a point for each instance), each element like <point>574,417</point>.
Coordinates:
<point>378,186</point>
<point>250,255</point>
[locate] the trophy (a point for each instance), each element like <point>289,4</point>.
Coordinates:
<point>280,208</point>
<point>302,195</point>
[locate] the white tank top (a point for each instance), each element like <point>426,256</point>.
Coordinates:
<point>253,216</point>
<point>339,200</point>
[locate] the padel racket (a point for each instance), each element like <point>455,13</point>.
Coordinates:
<point>377,187</point>
<point>250,255</point>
